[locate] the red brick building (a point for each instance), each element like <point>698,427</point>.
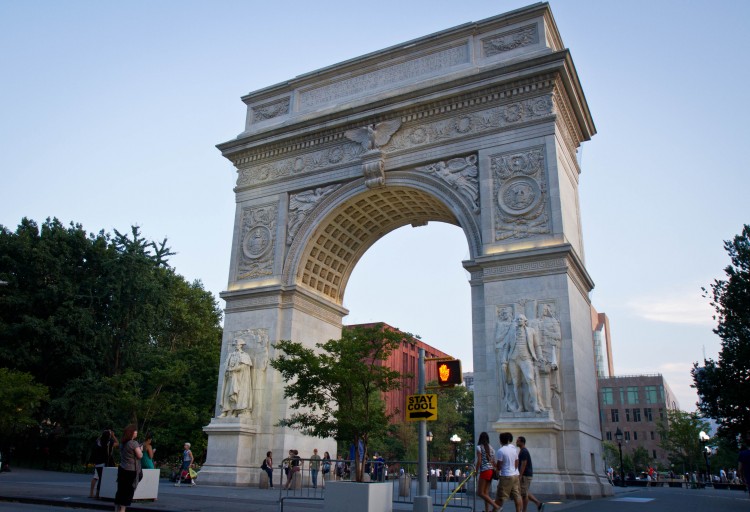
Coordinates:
<point>404,360</point>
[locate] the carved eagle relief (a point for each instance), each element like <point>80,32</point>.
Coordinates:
<point>374,136</point>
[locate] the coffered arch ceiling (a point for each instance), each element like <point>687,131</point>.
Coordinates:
<point>343,236</point>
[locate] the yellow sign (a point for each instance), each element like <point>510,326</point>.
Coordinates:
<point>421,408</point>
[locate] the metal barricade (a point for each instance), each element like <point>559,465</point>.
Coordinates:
<point>450,485</point>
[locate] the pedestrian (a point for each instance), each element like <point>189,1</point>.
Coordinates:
<point>379,467</point>
<point>129,471</point>
<point>187,463</point>
<point>294,467</point>
<point>340,467</point>
<point>148,452</point>
<point>326,465</point>
<point>286,465</point>
<point>485,466</point>
<point>743,469</point>
<point>102,455</point>
<point>507,463</point>
<point>314,467</point>
<point>267,466</point>
<point>526,472</point>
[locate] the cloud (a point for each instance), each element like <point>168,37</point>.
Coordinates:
<point>675,309</point>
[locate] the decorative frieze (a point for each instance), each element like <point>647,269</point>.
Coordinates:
<point>512,40</point>
<point>461,174</point>
<point>521,208</point>
<point>387,77</point>
<point>270,110</point>
<point>257,243</point>
<point>471,123</point>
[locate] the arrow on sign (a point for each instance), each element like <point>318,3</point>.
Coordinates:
<point>424,414</point>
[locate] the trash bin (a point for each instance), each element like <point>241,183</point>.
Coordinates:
<point>404,486</point>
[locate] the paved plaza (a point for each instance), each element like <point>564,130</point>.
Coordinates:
<point>26,490</point>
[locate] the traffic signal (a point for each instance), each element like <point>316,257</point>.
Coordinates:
<point>449,373</point>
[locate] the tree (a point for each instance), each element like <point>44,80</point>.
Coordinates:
<point>679,438</point>
<point>723,386</point>
<point>20,397</point>
<point>335,388</point>
<point>456,405</point>
<point>112,330</point>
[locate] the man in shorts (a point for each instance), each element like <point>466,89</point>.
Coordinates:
<point>507,465</point>
<point>526,471</point>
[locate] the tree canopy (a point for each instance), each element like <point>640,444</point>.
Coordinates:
<point>723,386</point>
<point>679,438</point>
<point>114,333</point>
<point>335,388</point>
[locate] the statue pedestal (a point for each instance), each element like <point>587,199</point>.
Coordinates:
<point>232,457</point>
<point>550,445</point>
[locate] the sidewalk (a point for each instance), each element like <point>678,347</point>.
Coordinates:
<point>71,490</point>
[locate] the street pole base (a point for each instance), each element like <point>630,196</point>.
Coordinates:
<point>422,504</point>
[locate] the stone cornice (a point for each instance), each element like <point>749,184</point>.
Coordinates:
<point>556,259</point>
<point>285,297</point>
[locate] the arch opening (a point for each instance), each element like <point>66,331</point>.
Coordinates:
<point>345,234</point>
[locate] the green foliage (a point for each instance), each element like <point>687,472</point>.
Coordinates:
<point>114,333</point>
<point>611,455</point>
<point>679,438</point>
<point>335,388</point>
<point>20,397</point>
<point>723,386</point>
<point>455,416</point>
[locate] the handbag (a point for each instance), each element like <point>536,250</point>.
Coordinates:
<point>193,473</point>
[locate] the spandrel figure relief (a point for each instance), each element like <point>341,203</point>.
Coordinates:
<point>527,352</point>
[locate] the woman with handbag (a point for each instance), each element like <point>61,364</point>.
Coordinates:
<point>485,467</point>
<point>129,469</point>
<point>267,466</point>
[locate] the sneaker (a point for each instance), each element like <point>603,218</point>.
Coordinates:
<point>192,483</point>
<point>177,484</point>
<point>541,507</point>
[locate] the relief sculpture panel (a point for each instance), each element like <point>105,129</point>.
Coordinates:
<point>521,204</point>
<point>257,243</point>
<point>527,353</point>
<point>244,373</point>
<point>461,174</point>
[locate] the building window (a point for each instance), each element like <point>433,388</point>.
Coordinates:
<point>615,415</point>
<point>609,436</point>
<point>636,415</point>
<point>632,394</point>
<point>652,437</point>
<point>635,435</point>
<point>647,413</point>
<point>661,414</point>
<point>627,435</point>
<point>622,395</point>
<point>654,452</point>
<point>650,392</point>
<point>627,414</point>
<point>608,396</point>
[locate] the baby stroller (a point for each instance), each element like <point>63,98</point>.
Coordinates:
<point>186,476</point>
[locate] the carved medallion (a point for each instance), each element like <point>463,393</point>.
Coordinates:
<point>520,186</point>
<point>257,242</point>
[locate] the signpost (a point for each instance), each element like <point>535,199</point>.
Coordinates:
<point>421,408</point>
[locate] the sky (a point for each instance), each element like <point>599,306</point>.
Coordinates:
<point>110,113</point>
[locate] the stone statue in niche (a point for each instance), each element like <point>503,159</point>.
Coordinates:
<point>237,391</point>
<point>502,326</point>
<point>519,361</point>
<point>259,350</point>
<point>527,352</point>
<point>550,338</point>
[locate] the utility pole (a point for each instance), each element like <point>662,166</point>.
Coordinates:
<point>423,501</point>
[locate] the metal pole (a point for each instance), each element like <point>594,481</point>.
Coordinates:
<point>422,502</point>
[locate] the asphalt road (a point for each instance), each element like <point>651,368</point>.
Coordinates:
<point>38,491</point>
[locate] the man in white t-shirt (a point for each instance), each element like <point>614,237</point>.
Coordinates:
<point>507,463</point>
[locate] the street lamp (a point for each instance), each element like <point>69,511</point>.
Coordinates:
<point>455,440</point>
<point>428,437</point>
<point>703,437</point>
<point>618,436</point>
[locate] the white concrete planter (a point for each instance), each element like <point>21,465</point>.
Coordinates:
<point>348,496</point>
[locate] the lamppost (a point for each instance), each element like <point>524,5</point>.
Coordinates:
<point>428,437</point>
<point>703,438</point>
<point>455,440</point>
<point>618,436</point>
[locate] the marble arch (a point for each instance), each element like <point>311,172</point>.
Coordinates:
<point>477,126</point>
